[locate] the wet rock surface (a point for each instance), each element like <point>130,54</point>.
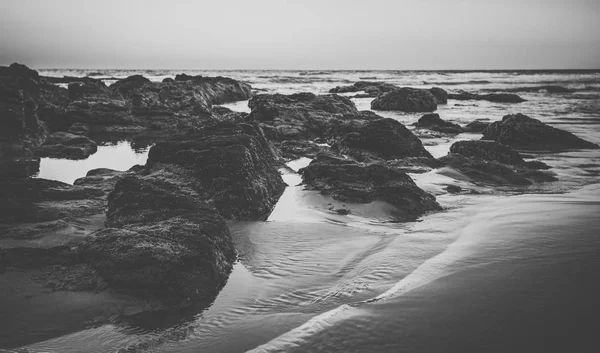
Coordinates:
<point>349,181</point>
<point>67,145</point>
<point>524,133</point>
<point>371,89</point>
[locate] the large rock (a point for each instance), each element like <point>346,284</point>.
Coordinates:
<point>433,122</point>
<point>492,97</point>
<point>301,116</point>
<point>524,133</point>
<point>349,181</point>
<point>381,138</point>
<point>163,242</point>
<point>67,145</point>
<point>128,84</point>
<point>476,126</point>
<point>231,165</point>
<point>406,99</point>
<point>19,70</point>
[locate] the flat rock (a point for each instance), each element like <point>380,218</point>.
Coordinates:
<point>67,145</point>
<point>406,99</point>
<point>432,121</point>
<point>491,97</point>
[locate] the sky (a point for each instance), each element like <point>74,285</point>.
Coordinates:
<point>301,34</point>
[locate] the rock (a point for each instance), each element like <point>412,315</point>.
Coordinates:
<point>376,139</point>
<point>163,243</point>
<point>453,189</point>
<point>433,122</point>
<point>231,165</point>
<point>476,126</point>
<point>406,99</point>
<point>524,133</point>
<point>349,181</point>
<point>488,150</point>
<point>492,97</point>
<point>66,145</point>
<point>126,85</point>
<point>301,116</point>
<point>371,89</point>
<point>19,70</point>
<point>495,173</point>
<point>441,96</point>
<point>21,132</point>
<point>546,88</point>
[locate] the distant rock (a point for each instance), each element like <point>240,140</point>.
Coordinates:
<point>67,145</point>
<point>19,70</point>
<point>492,97</point>
<point>407,100</point>
<point>524,133</point>
<point>376,139</point>
<point>349,181</point>
<point>432,121</point>
<point>476,126</point>
<point>547,89</point>
<point>371,89</point>
<point>126,85</point>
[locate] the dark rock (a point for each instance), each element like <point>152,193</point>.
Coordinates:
<point>487,150</point>
<point>453,189</point>
<point>524,133</point>
<point>66,145</point>
<point>19,70</point>
<point>371,89</point>
<point>406,99</point>
<point>492,97</point>
<point>294,149</point>
<point>349,181</point>
<point>301,116</point>
<point>376,139</point>
<point>163,243</point>
<point>231,165</point>
<point>441,96</point>
<point>79,129</point>
<point>126,85</point>
<point>547,89</point>
<point>168,79</point>
<point>433,122</point>
<point>476,126</point>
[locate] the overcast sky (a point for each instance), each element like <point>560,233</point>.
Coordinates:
<point>301,34</point>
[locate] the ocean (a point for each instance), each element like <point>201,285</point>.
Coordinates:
<point>499,270</point>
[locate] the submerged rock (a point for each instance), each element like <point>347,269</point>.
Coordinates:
<point>433,122</point>
<point>407,100</point>
<point>492,97</point>
<point>382,138</point>
<point>301,116</point>
<point>524,133</point>
<point>66,145</point>
<point>349,181</point>
<point>371,89</point>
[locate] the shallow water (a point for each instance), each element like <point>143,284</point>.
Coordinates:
<point>479,276</point>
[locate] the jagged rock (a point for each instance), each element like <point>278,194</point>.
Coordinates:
<point>128,84</point>
<point>406,99</point>
<point>66,145</point>
<point>301,116</point>
<point>433,122</point>
<point>524,133</point>
<point>376,139</point>
<point>19,70</point>
<point>476,126</point>
<point>349,181</point>
<point>232,167</point>
<point>492,97</point>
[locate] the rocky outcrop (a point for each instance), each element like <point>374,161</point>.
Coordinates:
<point>371,89</point>
<point>162,243</point>
<point>18,70</point>
<point>493,163</point>
<point>524,133</point>
<point>301,116</point>
<point>349,181</point>
<point>407,100</point>
<point>491,97</point>
<point>367,140</point>
<point>441,96</point>
<point>67,145</point>
<point>127,85</point>
<point>433,122</point>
